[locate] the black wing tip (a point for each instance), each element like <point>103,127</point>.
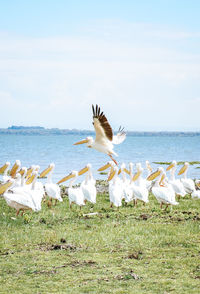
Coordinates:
<point>97,111</point>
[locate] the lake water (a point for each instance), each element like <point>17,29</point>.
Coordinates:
<point>44,149</point>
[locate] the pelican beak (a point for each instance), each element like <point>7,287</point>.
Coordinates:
<point>182,170</point>
<point>81,142</point>
<point>161,181</point>
<point>45,172</point>
<point>83,170</point>
<point>154,175</point>
<point>21,172</point>
<point>107,165</point>
<point>30,179</point>
<point>127,171</point>
<point>136,176</point>
<point>2,169</point>
<point>170,166</point>
<point>5,186</point>
<point>14,170</point>
<point>111,175</point>
<point>29,172</point>
<point>66,178</point>
<point>119,171</point>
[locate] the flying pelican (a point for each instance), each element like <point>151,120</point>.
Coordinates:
<point>188,184</point>
<point>176,184</point>
<point>104,135</point>
<point>53,190</point>
<point>75,194</point>
<point>4,171</point>
<point>88,185</point>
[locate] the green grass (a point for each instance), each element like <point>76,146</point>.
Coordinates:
<point>178,163</point>
<point>130,250</point>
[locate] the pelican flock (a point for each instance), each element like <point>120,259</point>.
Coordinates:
<point>22,189</point>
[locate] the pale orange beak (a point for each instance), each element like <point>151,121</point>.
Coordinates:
<point>111,175</point>
<point>46,171</point>
<point>5,186</point>
<point>107,165</point>
<point>66,178</point>
<point>2,169</point>
<point>81,142</point>
<point>83,170</point>
<point>170,166</point>
<point>154,175</point>
<point>182,170</point>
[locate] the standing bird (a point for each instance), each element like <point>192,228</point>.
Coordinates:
<point>88,185</point>
<point>115,189</point>
<point>188,183</point>
<point>176,184</point>
<point>52,190</point>
<point>104,135</point>
<point>75,194</point>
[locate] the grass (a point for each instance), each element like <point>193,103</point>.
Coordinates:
<point>130,250</point>
<point>178,163</point>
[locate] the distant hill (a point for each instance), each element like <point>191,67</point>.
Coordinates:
<point>38,130</point>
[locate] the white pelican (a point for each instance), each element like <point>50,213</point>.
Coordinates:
<point>4,171</point>
<point>88,185</point>
<point>138,186</point>
<point>176,184</point>
<point>188,184</point>
<point>52,190</point>
<point>111,165</point>
<point>104,135</point>
<point>34,192</point>
<point>115,188</point>
<point>75,194</point>
<point>127,191</point>
<point>18,201</point>
<point>164,194</point>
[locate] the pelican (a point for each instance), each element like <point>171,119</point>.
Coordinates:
<point>4,171</point>
<point>176,184</point>
<point>52,190</point>
<point>104,135</point>
<point>88,185</point>
<point>110,164</point>
<point>127,191</point>
<point>75,194</point>
<point>34,192</point>
<point>115,188</point>
<point>164,194</point>
<point>138,186</point>
<point>18,201</point>
<point>188,184</point>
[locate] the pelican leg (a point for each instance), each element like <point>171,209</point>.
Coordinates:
<point>17,213</point>
<point>85,201</point>
<point>161,205</point>
<point>113,159</point>
<point>70,205</point>
<point>49,203</point>
<point>55,201</point>
<point>166,206</point>
<point>111,205</point>
<point>144,203</point>
<point>22,212</point>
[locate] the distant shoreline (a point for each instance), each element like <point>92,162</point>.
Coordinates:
<point>23,130</point>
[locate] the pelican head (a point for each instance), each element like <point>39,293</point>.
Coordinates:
<point>89,142</point>
<point>184,168</point>
<point>50,168</point>
<point>173,164</point>
<point>4,167</point>
<point>85,169</point>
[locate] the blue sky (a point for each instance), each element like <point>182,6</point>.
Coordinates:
<point>139,60</point>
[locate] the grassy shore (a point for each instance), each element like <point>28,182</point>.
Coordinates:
<point>130,250</point>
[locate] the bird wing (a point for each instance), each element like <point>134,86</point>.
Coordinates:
<point>120,136</point>
<point>101,125</point>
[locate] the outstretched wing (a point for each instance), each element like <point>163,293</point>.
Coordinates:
<point>120,137</point>
<point>102,127</point>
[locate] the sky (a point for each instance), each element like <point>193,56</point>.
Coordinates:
<point>138,60</point>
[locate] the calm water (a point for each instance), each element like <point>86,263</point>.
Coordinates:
<point>42,150</point>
